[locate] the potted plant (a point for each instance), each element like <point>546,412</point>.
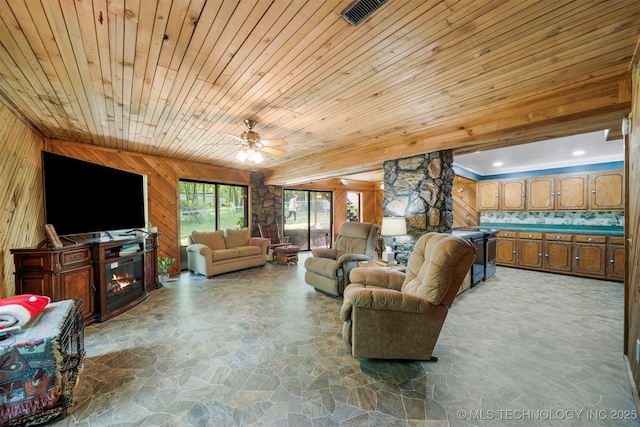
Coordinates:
<point>163,267</point>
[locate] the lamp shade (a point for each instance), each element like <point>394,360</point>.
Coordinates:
<point>393,226</point>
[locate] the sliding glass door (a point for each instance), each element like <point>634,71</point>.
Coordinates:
<point>308,218</point>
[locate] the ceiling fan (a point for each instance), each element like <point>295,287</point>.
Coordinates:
<point>252,144</point>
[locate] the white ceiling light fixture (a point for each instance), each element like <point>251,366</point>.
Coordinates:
<point>497,163</point>
<point>578,153</point>
<point>249,153</point>
<point>252,145</point>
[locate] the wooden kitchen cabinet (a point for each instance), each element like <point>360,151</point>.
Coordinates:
<point>540,194</point>
<point>596,191</point>
<point>616,258</point>
<point>571,192</point>
<point>488,195</point>
<point>590,255</point>
<point>596,256</point>
<point>529,249</point>
<point>506,249</point>
<point>558,252</point>
<point>512,195</point>
<point>607,191</point>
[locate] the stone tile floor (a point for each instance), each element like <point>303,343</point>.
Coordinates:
<point>259,347</point>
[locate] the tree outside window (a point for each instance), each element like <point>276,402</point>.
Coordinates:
<point>206,206</point>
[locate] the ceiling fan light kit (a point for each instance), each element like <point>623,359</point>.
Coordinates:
<point>249,153</point>
<point>252,145</point>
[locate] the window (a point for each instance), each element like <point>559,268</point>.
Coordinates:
<point>207,206</point>
<point>353,206</point>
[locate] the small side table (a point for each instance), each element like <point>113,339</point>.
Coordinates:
<point>380,264</point>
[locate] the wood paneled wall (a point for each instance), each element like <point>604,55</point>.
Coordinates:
<point>632,233</point>
<point>21,197</point>
<point>465,212</point>
<point>163,175</point>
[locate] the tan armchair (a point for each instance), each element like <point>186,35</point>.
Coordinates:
<point>328,269</point>
<point>393,315</point>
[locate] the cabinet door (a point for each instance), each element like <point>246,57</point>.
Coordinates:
<point>571,192</point>
<point>488,195</point>
<point>506,251</point>
<point>78,284</point>
<point>530,253</point>
<point>589,259</point>
<point>607,191</point>
<point>557,255</point>
<point>512,195</point>
<point>616,262</point>
<point>540,194</point>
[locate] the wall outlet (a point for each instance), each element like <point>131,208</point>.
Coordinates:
<point>637,351</point>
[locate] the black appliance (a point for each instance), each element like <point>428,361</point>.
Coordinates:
<point>484,265</point>
<point>490,252</point>
<point>477,269</point>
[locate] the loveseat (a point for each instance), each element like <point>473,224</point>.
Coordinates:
<point>216,252</point>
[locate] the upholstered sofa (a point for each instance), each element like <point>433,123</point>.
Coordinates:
<point>216,252</point>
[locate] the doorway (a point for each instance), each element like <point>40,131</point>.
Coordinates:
<point>308,218</point>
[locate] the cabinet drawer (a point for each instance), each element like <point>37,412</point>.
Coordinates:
<point>618,240</point>
<point>558,237</point>
<point>509,234</point>
<point>527,235</point>
<point>591,239</point>
<point>74,257</point>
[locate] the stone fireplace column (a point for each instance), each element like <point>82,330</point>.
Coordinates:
<point>266,203</point>
<point>419,189</point>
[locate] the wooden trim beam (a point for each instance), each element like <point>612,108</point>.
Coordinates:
<point>586,108</point>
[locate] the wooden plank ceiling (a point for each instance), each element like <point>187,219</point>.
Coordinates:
<point>169,78</point>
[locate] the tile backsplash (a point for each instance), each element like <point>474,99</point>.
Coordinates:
<point>610,219</point>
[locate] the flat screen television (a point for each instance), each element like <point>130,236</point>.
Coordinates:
<point>82,197</point>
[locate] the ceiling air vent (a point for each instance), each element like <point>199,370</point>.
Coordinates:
<point>360,10</point>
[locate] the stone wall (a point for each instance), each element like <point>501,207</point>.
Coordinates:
<point>266,203</point>
<point>419,189</point>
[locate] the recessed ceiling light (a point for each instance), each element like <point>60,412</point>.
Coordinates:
<point>578,153</point>
<point>497,164</point>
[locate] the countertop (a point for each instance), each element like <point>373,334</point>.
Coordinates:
<point>555,228</point>
<point>467,234</point>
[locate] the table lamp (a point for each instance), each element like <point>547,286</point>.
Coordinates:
<point>392,226</point>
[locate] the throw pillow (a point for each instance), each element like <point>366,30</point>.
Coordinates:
<point>212,239</point>
<point>235,238</point>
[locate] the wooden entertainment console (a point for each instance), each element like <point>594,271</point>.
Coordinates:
<point>109,276</point>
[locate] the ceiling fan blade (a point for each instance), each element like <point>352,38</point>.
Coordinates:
<point>273,151</point>
<point>273,142</point>
<point>232,136</point>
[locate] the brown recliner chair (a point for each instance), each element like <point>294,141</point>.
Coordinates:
<point>328,269</point>
<point>393,315</point>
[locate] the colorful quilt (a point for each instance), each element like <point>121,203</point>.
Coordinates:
<point>31,363</point>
